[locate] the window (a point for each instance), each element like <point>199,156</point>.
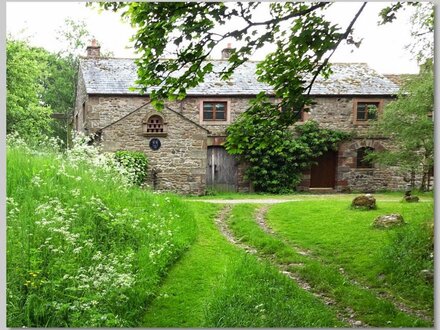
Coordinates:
<point>362,161</point>
<point>214,111</point>
<point>365,110</point>
<point>155,124</point>
<point>84,112</point>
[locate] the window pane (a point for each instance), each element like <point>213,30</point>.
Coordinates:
<point>371,115</point>
<point>220,115</point>
<point>372,110</point>
<point>220,106</point>
<point>361,115</point>
<point>362,162</point>
<point>208,106</point>
<point>207,115</point>
<point>299,115</point>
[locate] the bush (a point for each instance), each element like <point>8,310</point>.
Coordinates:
<point>134,162</point>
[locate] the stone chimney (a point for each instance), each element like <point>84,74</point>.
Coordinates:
<point>94,50</point>
<point>226,52</point>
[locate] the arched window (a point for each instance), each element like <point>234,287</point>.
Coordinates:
<point>154,126</point>
<point>362,161</point>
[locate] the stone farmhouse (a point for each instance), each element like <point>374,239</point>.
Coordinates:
<point>184,142</point>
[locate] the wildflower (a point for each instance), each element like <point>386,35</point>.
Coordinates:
<point>77,249</point>
<point>36,181</point>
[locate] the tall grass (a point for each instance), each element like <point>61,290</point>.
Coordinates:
<point>84,248</point>
<point>408,261</point>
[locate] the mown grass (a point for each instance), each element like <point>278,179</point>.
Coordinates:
<point>184,293</point>
<point>385,196</point>
<point>323,277</point>
<point>343,237</point>
<point>216,285</point>
<point>254,294</point>
<point>83,250</point>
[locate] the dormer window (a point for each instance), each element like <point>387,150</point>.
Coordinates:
<point>154,126</point>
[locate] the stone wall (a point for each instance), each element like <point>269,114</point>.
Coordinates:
<point>181,161</point>
<point>79,122</point>
<point>179,165</point>
<point>379,177</point>
<point>337,113</point>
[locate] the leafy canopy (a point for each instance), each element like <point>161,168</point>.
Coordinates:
<point>304,38</point>
<point>25,71</point>
<point>409,122</point>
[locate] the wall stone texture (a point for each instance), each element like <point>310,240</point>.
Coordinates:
<point>180,164</point>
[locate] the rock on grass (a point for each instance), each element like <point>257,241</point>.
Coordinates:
<point>388,221</point>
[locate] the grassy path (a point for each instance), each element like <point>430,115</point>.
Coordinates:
<point>324,280</point>
<point>215,284</point>
<point>181,300</point>
<point>260,216</point>
<point>345,239</point>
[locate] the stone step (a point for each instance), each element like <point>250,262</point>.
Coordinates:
<point>322,190</point>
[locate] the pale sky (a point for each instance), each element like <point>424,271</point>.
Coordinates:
<point>383,47</point>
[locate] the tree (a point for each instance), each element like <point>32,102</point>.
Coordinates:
<point>62,74</point>
<point>305,42</point>
<point>408,122</point>
<point>26,114</point>
<point>422,27</point>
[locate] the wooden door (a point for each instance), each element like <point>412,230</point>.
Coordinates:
<point>221,171</point>
<point>323,174</point>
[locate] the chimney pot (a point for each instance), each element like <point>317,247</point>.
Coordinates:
<point>226,52</point>
<point>94,50</point>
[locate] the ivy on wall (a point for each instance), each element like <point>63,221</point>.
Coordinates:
<point>275,152</point>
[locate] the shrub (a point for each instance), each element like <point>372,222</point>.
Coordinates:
<point>276,155</point>
<point>134,162</point>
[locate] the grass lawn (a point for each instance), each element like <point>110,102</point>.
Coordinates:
<point>343,237</point>
<point>83,249</point>
<point>384,196</point>
<point>87,250</point>
<point>217,285</point>
<point>322,276</point>
<point>182,297</point>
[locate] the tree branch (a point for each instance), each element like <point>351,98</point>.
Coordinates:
<point>342,37</point>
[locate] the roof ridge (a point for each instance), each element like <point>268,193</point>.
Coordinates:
<point>208,60</point>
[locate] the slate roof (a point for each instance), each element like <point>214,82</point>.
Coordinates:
<point>399,79</point>
<point>116,76</point>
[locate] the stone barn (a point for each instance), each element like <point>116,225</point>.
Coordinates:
<point>184,142</point>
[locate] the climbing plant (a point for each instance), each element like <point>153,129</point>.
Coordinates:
<point>276,153</point>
